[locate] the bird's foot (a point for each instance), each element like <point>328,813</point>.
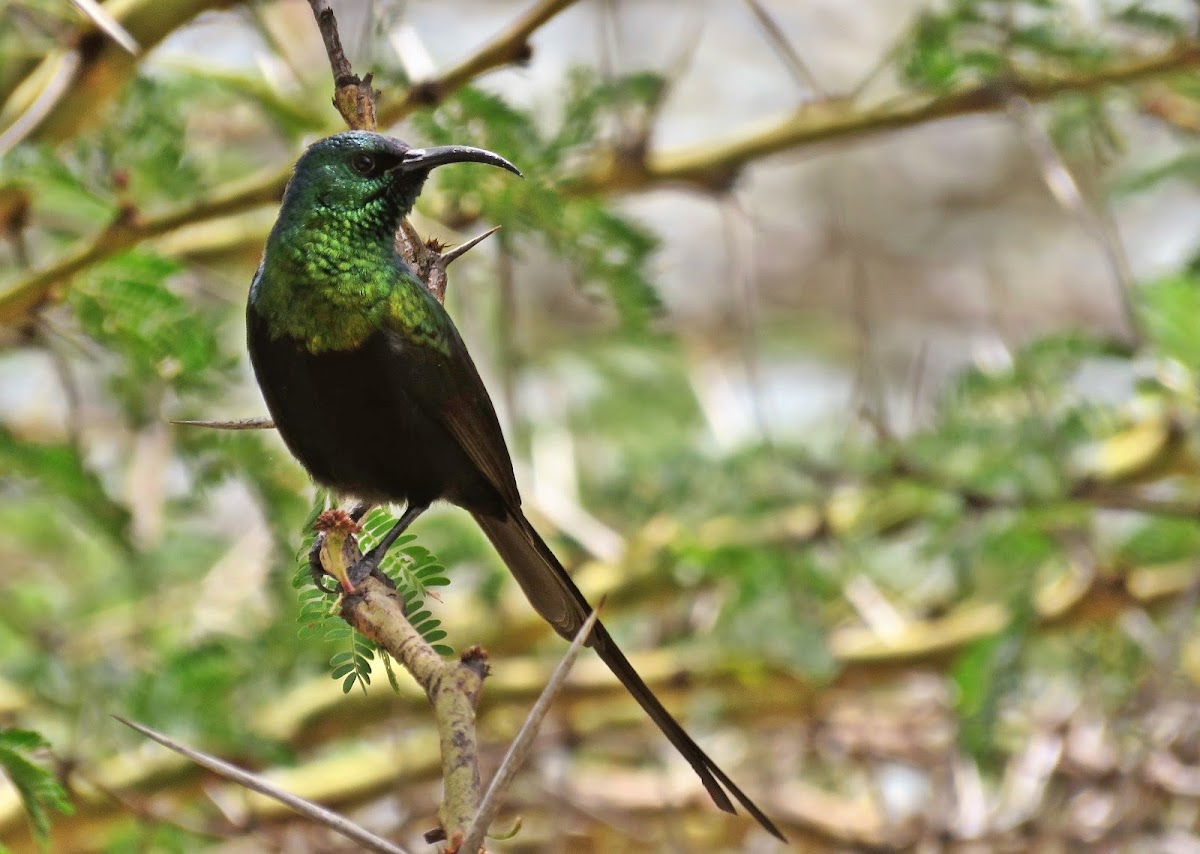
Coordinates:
<point>315,568</point>
<point>367,566</point>
<point>363,568</point>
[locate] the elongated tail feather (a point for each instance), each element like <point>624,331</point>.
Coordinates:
<point>554,595</point>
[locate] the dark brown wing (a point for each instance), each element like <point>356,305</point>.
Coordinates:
<point>442,381</point>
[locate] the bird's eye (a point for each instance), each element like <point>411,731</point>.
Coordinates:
<point>363,164</point>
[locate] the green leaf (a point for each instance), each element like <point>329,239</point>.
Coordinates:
<point>1169,307</point>
<point>160,339</point>
<point>37,787</point>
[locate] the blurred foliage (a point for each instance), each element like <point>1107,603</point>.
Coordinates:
<point>39,790</point>
<point>602,247</point>
<point>136,582</point>
<point>971,41</point>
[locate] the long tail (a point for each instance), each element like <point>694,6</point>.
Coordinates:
<point>554,595</point>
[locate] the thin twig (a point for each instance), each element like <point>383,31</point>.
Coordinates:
<point>353,96</point>
<point>327,24</point>
<point>238,424</point>
<point>519,750</point>
<point>463,248</point>
<point>104,66</point>
<point>1062,185</point>
<point>336,823</point>
<point>506,48</point>
<point>27,122</point>
<point>428,261</point>
<point>103,19</point>
<point>782,47</point>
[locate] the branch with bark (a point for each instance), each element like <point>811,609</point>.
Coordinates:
<point>375,610</point>
<point>709,165</point>
<point>68,87</point>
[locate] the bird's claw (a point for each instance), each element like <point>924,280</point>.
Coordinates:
<point>364,567</point>
<point>367,566</point>
<point>315,568</point>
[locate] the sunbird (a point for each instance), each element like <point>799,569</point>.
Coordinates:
<point>373,390</point>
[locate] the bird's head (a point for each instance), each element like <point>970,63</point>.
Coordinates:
<point>358,171</point>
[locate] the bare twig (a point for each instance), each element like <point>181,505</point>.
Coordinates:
<point>427,260</point>
<point>782,47</point>
<point>376,610</point>
<point>33,115</point>
<point>103,67</point>
<point>1065,189</point>
<point>519,750</point>
<point>463,248</point>
<point>508,47</point>
<point>453,686</point>
<point>103,19</point>
<point>328,818</point>
<point>327,24</point>
<point>353,96</point>
<point>238,424</point>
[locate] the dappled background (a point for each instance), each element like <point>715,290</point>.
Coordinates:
<point>848,347</point>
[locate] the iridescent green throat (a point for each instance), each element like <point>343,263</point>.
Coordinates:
<point>332,279</point>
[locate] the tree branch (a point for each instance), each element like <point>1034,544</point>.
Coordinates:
<point>866,662</point>
<point>352,96</point>
<point>713,164</point>
<point>706,165</point>
<point>521,746</point>
<point>507,48</point>
<point>101,65</point>
<point>376,611</point>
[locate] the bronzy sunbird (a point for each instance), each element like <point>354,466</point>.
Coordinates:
<point>373,391</point>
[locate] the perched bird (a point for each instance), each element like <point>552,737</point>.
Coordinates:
<point>373,390</point>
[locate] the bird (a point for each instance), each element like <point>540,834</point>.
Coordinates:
<point>373,391</point>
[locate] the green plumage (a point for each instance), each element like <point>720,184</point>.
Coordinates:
<point>373,390</point>
<point>330,275</point>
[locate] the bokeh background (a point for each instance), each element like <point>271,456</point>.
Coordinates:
<point>848,347</point>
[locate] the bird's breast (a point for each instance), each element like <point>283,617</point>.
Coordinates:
<point>347,417</point>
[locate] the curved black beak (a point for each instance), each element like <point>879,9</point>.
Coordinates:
<point>427,158</point>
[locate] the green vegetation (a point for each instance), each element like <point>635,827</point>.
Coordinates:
<point>1027,546</point>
